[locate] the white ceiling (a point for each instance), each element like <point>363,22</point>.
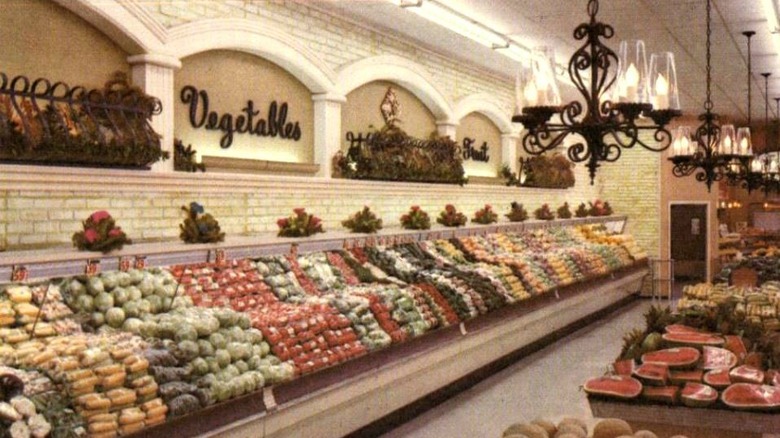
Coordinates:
<point>665,25</point>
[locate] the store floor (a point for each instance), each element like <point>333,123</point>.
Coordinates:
<point>545,384</point>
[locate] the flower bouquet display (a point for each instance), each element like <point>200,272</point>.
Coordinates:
<point>364,221</point>
<point>582,211</point>
<point>100,234</point>
<point>416,219</point>
<point>300,224</point>
<point>564,212</point>
<point>517,213</point>
<point>485,216</point>
<point>543,213</point>
<point>600,208</point>
<point>199,227</point>
<point>451,217</point>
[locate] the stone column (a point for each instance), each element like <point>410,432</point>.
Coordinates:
<point>327,130</point>
<point>509,150</point>
<point>447,128</point>
<point>154,74</point>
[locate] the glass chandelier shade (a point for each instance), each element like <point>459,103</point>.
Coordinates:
<point>663,90</point>
<point>632,74</point>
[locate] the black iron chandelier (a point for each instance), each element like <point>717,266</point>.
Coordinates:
<point>605,126</point>
<point>713,153</point>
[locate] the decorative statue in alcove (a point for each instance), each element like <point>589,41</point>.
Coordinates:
<point>391,108</point>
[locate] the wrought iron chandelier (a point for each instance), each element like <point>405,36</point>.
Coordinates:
<point>713,152</point>
<point>606,127</point>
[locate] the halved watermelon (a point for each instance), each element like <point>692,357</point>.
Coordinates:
<point>685,376</point>
<point>715,358</point>
<point>735,345</point>
<point>624,387</point>
<point>697,395</point>
<point>656,374</point>
<point>751,396</point>
<point>680,328</point>
<point>663,394</point>
<point>746,374</point>
<point>718,378</point>
<point>692,339</point>
<point>681,357</point>
<point>624,367</point>
<point>772,377</point>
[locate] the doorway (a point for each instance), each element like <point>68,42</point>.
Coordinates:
<point>689,238</point>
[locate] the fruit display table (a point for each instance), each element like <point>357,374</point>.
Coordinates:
<point>694,423</point>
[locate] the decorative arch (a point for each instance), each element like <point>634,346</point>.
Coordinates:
<point>248,36</point>
<point>485,104</point>
<point>401,71</point>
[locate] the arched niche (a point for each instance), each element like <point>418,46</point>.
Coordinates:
<point>480,142</point>
<point>362,111</point>
<point>43,39</point>
<point>485,104</point>
<point>231,79</point>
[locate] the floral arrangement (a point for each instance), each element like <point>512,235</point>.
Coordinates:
<point>543,213</point>
<point>364,221</point>
<point>100,234</point>
<point>485,216</point>
<point>199,227</point>
<point>416,219</point>
<point>300,224</point>
<point>184,158</point>
<point>563,211</point>
<point>451,217</point>
<point>517,213</point>
<point>582,211</point>
<point>553,172</point>
<point>600,208</point>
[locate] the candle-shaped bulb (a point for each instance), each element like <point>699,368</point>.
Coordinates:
<point>632,83</point>
<point>661,92</point>
<point>531,94</point>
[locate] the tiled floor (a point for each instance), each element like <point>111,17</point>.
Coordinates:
<point>545,384</point>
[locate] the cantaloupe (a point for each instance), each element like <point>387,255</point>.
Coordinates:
<point>577,421</point>
<point>529,430</point>
<point>612,428</point>
<point>573,429</point>
<point>644,434</point>
<point>546,425</point>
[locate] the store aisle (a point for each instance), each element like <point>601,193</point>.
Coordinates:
<point>545,384</point>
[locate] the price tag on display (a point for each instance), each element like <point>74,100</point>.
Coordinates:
<point>347,244</point>
<point>463,329</point>
<point>140,262</point>
<point>92,268</point>
<point>220,257</point>
<point>294,250</point>
<point>268,399</point>
<point>19,274</point>
<point>125,263</point>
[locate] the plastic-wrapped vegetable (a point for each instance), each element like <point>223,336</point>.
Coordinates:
<point>172,390</point>
<point>183,405</point>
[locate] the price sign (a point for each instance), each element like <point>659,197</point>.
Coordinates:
<point>19,274</point>
<point>125,263</point>
<point>140,262</point>
<point>220,257</point>
<point>92,268</point>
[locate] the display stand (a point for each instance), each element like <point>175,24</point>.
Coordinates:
<point>662,275</point>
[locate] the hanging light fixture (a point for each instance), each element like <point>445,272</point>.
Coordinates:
<point>606,124</point>
<point>715,152</point>
<point>745,170</point>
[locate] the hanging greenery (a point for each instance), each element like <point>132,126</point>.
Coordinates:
<point>184,158</point>
<point>199,226</point>
<point>100,234</point>
<point>553,172</point>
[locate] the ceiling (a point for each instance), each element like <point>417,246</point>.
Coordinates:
<point>678,26</point>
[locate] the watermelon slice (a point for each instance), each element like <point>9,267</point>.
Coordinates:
<point>746,374</point>
<point>663,394</point>
<point>697,395</point>
<point>693,339</point>
<point>735,345</point>
<point>680,328</point>
<point>623,387</point>
<point>682,357</point>
<point>751,396</point>
<point>656,374</point>
<point>714,358</point>
<point>624,367</point>
<point>718,378</point>
<point>772,377</point>
<point>682,377</point>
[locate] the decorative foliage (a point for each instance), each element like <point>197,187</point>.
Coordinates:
<point>364,221</point>
<point>553,172</point>
<point>511,177</point>
<point>600,208</point>
<point>451,217</point>
<point>184,158</point>
<point>199,227</point>
<point>100,234</point>
<point>45,122</point>
<point>517,213</point>
<point>485,215</point>
<point>392,155</point>
<point>564,212</point>
<point>300,224</point>
<point>416,219</point>
<point>582,211</point>
<point>543,213</point>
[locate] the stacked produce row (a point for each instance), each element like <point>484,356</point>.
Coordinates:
<point>760,304</point>
<point>117,352</point>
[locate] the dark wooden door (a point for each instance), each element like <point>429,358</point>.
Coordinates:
<point>689,240</point>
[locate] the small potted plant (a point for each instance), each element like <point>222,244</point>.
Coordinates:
<point>564,212</point>
<point>485,216</point>
<point>364,221</point>
<point>100,234</point>
<point>199,226</point>
<point>517,213</point>
<point>543,213</point>
<point>451,217</point>
<point>416,219</point>
<point>582,211</point>
<point>300,224</point>
<point>600,208</point>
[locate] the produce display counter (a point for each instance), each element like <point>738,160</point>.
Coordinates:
<point>693,423</point>
<point>368,393</point>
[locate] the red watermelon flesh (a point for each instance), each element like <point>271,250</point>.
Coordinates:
<point>681,357</point>
<point>680,328</point>
<point>681,377</point>
<point>624,367</point>
<point>693,339</point>
<point>751,396</point>
<point>714,358</point>
<point>718,378</point>
<point>735,345</point>
<point>624,387</point>
<point>772,377</point>
<point>663,394</point>
<point>746,374</point>
<point>656,374</point>
<point>697,395</point>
